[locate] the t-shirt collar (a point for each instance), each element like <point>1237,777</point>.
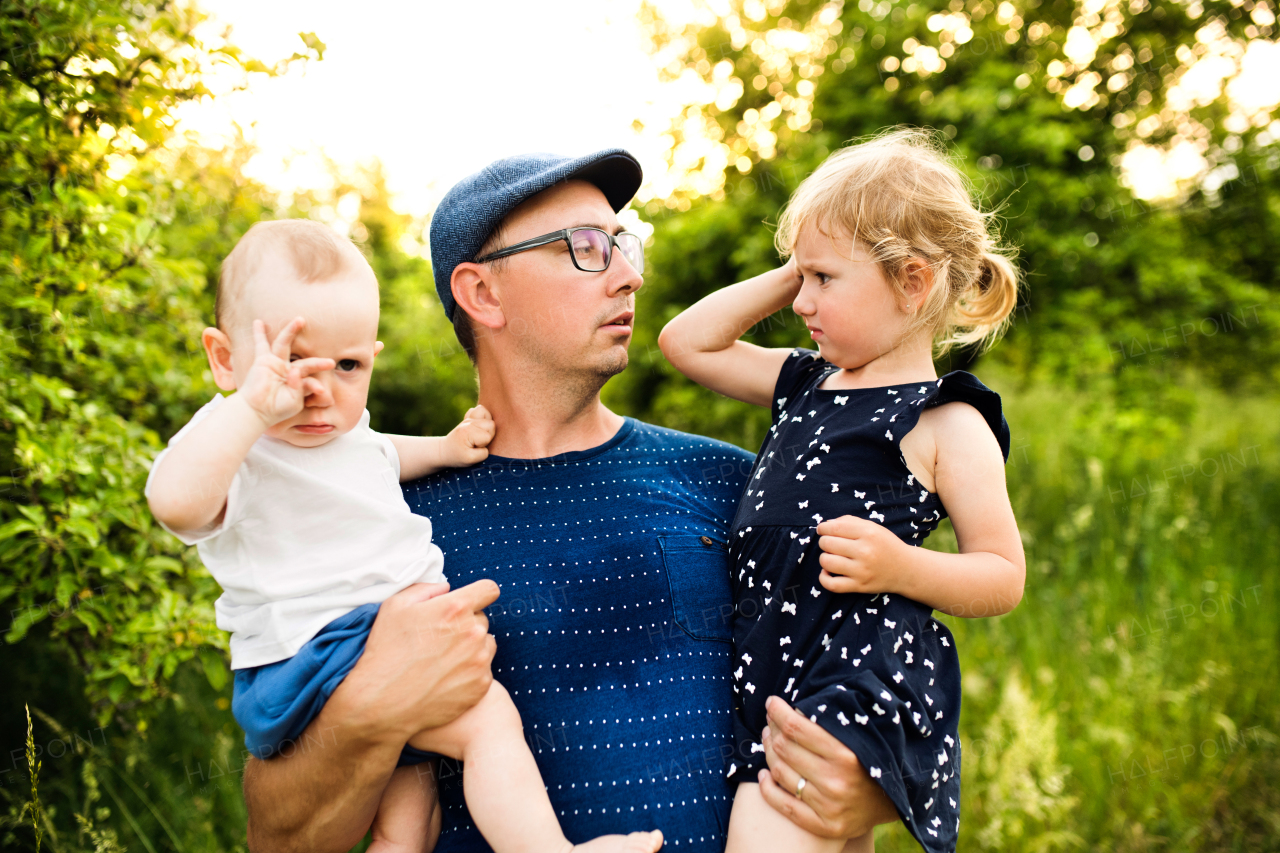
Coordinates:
<point>620,437</point>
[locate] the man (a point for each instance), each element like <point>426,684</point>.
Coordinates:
<point>607,537</point>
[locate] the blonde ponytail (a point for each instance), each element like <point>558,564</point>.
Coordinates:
<point>982,313</point>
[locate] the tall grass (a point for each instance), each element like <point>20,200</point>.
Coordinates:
<point>173,787</point>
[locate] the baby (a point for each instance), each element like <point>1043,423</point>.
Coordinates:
<point>295,505</point>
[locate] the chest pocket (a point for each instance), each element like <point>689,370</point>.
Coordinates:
<point>697,569</point>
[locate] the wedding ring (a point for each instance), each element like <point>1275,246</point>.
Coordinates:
<point>800,787</point>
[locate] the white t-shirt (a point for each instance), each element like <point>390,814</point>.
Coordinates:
<point>310,533</point>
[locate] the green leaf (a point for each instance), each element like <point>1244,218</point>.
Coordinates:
<point>164,564</point>
<point>35,513</point>
<point>13,528</point>
<point>66,588</point>
<point>215,668</point>
<point>313,43</point>
<point>83,528</point>
<point>117,687</point>
<point>89,620</point>
<point>23,621</point>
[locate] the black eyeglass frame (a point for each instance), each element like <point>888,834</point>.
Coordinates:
<point>566,234</point>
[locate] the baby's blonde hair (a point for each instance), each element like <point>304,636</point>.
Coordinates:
<point>316,251</point>
<point>899,195</point>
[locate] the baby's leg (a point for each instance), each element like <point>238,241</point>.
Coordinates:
<point>755,827</point>
<point>408,819</point>
<point>503,787</point>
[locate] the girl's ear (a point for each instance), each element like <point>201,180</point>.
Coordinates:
<point>217,346</point>
<point>917,281</point>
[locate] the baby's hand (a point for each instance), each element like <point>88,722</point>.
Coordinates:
<point>274,387</point>
<point>858,555</point>
<point>468,442</point>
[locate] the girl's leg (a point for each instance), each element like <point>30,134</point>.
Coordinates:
<point>504,790</point>
<point>754,827</point>
<point>408,819</point>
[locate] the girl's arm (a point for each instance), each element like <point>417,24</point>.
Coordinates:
<point>986,578</point>
<point>702,342</point>
<point>466,444</point>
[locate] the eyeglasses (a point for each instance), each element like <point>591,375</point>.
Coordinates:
<point>591,249</point>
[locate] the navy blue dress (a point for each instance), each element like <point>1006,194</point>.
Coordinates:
<point>876,671</point>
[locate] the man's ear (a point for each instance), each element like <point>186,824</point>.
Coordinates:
<point>474,292</point>
<point>217,346</point>
<point>917,281</point>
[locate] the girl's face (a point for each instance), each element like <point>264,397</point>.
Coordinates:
<point>853,314</point>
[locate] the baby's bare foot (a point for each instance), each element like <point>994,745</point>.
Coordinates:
<point>636,842</point>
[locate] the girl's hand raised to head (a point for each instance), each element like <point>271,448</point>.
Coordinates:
<point>858,555</point>
<point>275,388</point>
<point>703,341</point>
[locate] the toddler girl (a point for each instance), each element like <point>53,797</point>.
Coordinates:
<point>868,451</point>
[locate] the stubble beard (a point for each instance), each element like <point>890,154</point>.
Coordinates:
<point>576,380</point>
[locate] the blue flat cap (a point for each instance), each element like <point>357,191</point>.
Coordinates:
<point>478,203</point>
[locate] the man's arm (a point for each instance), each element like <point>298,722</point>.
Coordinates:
<point>426,661</point>
<point>840,799</point>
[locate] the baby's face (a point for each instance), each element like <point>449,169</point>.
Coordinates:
<point>341,323</point>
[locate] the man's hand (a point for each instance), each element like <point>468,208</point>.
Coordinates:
<point>426,661</point>
<point>468,442</point>
<point>839,800</point>
<point>275,388</point>
<point>859,556</point>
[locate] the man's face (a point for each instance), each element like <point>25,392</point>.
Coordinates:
<point>558,317</point>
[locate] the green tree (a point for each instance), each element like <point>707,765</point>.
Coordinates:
<point>1041,99</point>
<point>109,241</point>
<point>104,289</point>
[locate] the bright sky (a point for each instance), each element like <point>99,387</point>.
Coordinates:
<point>436,90</point>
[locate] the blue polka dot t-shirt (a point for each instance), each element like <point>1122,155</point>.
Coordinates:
<point>613,627</point>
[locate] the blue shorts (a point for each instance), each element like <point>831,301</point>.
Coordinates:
<point>276,702</point>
